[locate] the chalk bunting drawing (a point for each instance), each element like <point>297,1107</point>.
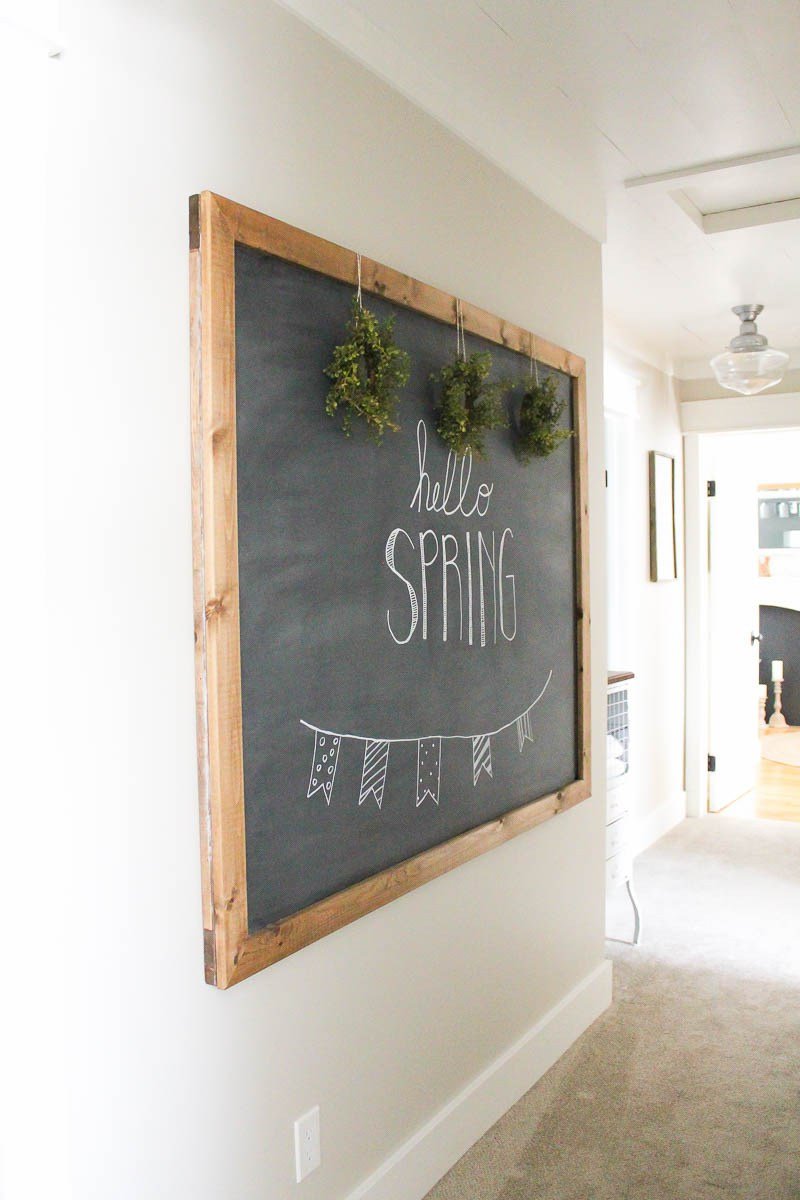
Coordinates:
<point>324,764</point>
<point>327,743</point>
<point>429,769</point>
<point>524,731</point>
<point>373,775</point>
<point>481,756</point>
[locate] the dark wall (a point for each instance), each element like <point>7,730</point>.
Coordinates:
<point>780,628</point>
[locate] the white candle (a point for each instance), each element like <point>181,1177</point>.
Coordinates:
<point>762,691</point>
<point>777,670</point>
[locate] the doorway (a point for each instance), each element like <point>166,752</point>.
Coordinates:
<point>743,623</point>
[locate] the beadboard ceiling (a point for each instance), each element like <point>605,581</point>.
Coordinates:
<point>582,101</point>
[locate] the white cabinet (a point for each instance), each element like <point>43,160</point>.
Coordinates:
<point>619,855</point>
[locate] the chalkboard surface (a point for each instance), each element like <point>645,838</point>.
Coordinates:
<point>409,659</point>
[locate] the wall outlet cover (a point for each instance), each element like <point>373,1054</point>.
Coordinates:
<point>307,1150</point>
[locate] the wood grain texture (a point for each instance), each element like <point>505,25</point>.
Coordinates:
<point>198,592</point>
<point>218,606</point>
<point>232,953</point>
<point>777,793</point>
<point>294,245</point>
<point>583,616</point>
<point>776,796</point>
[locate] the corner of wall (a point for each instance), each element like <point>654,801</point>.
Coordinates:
<point>654,824</point>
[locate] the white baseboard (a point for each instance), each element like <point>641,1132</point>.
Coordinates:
<point>419,1163</point>
<point>653,825</point>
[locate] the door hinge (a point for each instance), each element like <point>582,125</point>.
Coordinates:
<point>711,487</point>
<point>712,762</point>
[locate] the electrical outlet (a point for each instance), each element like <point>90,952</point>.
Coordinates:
<point>307,1153</point>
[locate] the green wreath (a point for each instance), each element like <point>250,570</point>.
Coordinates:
<point>368,371</point>
<point>469,406</point>
<point>537,430</point>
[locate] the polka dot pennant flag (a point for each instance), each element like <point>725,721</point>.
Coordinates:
<point>429,768</point>
<point>324,763</point>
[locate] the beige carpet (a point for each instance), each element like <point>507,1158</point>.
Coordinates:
<point>782,748</point>
<point>688,1088</point>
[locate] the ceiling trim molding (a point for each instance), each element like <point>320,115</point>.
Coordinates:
<point>754,214</point>
<point>666,180</point>
<point>727,219</point>
<point>732,414</point>
<point>690,208</point>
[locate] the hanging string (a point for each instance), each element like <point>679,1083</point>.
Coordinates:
<point>461,341</point>
<point>534,363</point>
<point>358,268</point>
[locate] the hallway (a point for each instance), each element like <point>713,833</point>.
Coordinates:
<point>686,1089</point>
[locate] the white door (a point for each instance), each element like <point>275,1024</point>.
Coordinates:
<point>733,618</point>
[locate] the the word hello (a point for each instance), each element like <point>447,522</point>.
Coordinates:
<point>475,590</point>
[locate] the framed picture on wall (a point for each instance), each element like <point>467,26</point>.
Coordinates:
<point>663,557</point>
<point>366,722</point>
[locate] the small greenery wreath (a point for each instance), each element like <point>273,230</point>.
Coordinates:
<point>469,406</point>
<point>537,432</point>
<point>368,370</point>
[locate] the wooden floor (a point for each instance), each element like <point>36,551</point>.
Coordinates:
<point>776,796</point>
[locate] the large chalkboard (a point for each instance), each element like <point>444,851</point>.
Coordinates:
<point>392,652</point>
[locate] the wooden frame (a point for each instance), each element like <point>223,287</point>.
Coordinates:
<point>232,953</point>
<point>663,559</point>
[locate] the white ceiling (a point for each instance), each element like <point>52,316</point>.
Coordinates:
<point>575,97</point>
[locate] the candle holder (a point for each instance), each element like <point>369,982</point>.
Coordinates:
<point>777,720</point>
<point>762,710</point>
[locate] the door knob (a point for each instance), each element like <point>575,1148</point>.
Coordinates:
<point>756,637</point>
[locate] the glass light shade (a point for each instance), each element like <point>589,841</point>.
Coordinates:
<point>749,371</point>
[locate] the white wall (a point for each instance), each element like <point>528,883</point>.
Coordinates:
<point>646,620</point>
<point>775,456</point>
<point>35,924</point>
<point>180,1090</point>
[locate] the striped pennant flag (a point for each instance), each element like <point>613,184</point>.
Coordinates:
<point>524,733</point>
<point>481,756</point>
<point>373,776</point>
<point>429,769</point>
<point>323,765</point>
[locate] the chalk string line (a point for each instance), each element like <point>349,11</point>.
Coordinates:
<point>445,737</point>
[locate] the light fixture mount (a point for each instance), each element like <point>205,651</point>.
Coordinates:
<point>748,365</point>
<point>749,338</point>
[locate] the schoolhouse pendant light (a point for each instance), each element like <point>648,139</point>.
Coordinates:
<point>748,365</point>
